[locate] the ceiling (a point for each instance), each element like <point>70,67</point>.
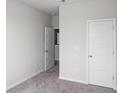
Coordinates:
<point>49,6</point>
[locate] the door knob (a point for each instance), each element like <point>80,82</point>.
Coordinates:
<point>46,50</point>
<point>90,56</point>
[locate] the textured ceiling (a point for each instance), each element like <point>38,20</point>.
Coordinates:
<point>49,6</point>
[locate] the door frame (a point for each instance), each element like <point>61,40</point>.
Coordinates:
<point>45,48</point>
<point>115,49</point>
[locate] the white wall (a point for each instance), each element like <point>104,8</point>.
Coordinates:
<point>55,21</point>
<point>73,45</point>
<point>25,41</point>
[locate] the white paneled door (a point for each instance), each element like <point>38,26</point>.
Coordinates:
<point>101,52</point>
<point>49,48</point>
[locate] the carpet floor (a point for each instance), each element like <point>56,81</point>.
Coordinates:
<point>48,82</point>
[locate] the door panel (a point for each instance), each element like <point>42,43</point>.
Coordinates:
<point>49,48</point>
<point>101,46</point>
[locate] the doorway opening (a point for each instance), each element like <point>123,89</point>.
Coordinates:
<point>56,42</point>
<point>51,49</point>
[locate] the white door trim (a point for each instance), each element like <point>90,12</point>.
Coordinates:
<point>115,49</point>
<point>45,49</point>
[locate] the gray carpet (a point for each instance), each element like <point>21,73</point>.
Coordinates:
<point>48,82</point>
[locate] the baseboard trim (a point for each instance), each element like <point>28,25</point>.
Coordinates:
<point>17,83</point>
<point>73,80</point>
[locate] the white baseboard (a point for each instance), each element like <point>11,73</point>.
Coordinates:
<point>79,81</point>
<point>73,80</point>
<point>17,83</point>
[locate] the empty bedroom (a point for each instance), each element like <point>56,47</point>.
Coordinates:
<point>61,46</point>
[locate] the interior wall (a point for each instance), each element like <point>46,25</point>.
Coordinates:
<point>55,21</point>
<point>73,34</point>
<point>25,41</point>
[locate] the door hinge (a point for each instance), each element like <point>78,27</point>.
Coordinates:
<point>113,27</point>
<point>113,77</point>
<point>113,52</point>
